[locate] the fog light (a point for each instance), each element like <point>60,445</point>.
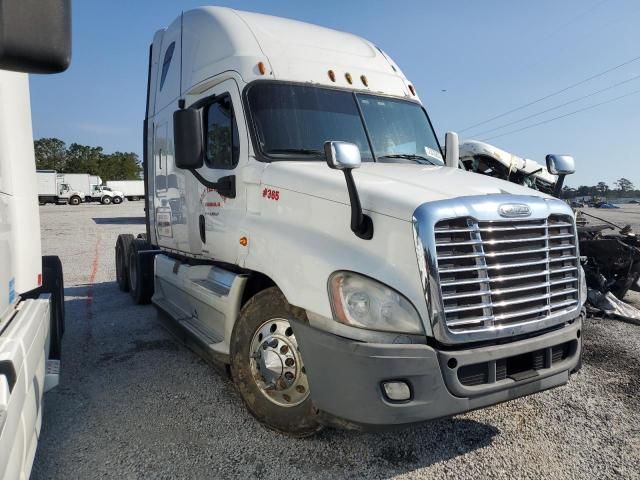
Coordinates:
<point>396,391</point>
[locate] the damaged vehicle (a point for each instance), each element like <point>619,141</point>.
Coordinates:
<point>610,253</point>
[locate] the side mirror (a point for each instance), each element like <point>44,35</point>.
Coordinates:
<point>345,156</point>
<point>561,164</point>
<point>187,139</point>
<point>342,155</point>
<point>452,150</point>
<point>35,36</point>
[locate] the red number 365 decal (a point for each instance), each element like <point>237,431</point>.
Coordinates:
<point>271,194</point>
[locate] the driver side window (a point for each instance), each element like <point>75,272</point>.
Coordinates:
<point>221,136</point>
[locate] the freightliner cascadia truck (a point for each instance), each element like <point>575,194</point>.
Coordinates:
<point>304,229</point>
<point>34,38</point>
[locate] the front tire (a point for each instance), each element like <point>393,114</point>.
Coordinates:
<point>267,366</point>
<point>75,201</point>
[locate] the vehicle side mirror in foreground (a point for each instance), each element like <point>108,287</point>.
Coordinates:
<point>187,139</point>
<point>346,156</point>
<point>342,155</point>
<point>35,36</point>
<point>561,165</point>
<point>452,150</point>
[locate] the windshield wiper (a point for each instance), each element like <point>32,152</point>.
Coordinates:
<point>410,156</point>
<point>294,151</point>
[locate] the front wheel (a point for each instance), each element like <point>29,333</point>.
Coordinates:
<point>267,366</point>
<point>75,201</point>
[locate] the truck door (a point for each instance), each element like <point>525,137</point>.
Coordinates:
<point>226,144</point>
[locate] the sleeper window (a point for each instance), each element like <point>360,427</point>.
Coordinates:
<point>222,135</point>
<point>166,62</point>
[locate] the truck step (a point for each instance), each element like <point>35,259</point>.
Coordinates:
<point>52,375</point>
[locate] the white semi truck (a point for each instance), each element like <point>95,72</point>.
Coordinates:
<point>303,229</point>
<point>52,189</point>
<point>132,190</point>
<point>35,38</point>
<point>92,184</point>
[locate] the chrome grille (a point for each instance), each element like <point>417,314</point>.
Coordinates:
<point>505,272</point>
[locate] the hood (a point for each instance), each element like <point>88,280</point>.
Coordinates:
<point>395,190</point>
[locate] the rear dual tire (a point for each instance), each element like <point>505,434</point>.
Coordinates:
<point>134,268</point>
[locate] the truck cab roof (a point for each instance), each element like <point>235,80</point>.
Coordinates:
<point>218,39</point>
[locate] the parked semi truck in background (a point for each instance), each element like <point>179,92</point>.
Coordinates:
<point>132,190</point>
<point>52,189</point>
<point>304,229</point>
<point>35,38</point>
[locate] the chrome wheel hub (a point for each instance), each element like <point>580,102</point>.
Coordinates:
<point>276,364</point>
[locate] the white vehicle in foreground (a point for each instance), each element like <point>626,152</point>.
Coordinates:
<point>35,38</point>
<point>132,190</point>
<point>52,189</point>
<point>303,229</point>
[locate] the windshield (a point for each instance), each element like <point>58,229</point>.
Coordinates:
<point>294,121</point>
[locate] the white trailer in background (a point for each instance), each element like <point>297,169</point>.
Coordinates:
<point>52,189</point>
<point>35,38</point>
<point>131,189</point>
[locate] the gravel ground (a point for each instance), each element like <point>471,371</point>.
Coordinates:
<point>132,403</point>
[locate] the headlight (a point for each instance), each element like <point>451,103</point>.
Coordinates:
<point>361,302</point>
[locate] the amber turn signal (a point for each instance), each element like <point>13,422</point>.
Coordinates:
<point>244,241</point>
<point>261,68</point>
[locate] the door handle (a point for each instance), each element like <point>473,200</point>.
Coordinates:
<point>203,232</point>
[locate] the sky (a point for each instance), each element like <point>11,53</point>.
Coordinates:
<point>470,61</point>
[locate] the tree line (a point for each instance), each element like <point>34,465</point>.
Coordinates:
<point>621,188</point>
<point>53,154</point>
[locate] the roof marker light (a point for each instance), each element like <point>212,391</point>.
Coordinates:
<point>348,77</point>
<point>332,75</point>
<point>261,68</point>
<point>412,90</point>
<point>365,82</point>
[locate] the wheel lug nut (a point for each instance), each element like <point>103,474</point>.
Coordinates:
<point>284,349</point>
<point>289,362</point>
<point>289,376</point>
<point>286,397</point>
<point>300,389</point>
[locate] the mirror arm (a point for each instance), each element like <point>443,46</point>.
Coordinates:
<point>557,189</point>
<point>225,186</point>
<point>361,224</point>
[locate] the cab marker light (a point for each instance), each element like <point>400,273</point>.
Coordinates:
<point>348,77</point>
<point>365,82</point>
<point>332,75</point>
<point>412,90</point>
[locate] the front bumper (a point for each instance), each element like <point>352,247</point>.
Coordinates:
<point>345,376</point>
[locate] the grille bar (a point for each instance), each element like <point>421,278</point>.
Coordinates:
<point>505,272</point>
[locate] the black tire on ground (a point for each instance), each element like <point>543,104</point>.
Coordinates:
<point>133,199</point>
<point>123,245</point>
<point>117,200</point>
<point>106,200</point>
<point>75,200</point>
<point>298,421</point>
<point>140,272</point>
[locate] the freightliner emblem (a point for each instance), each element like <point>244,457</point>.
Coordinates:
<point>512,210</point>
